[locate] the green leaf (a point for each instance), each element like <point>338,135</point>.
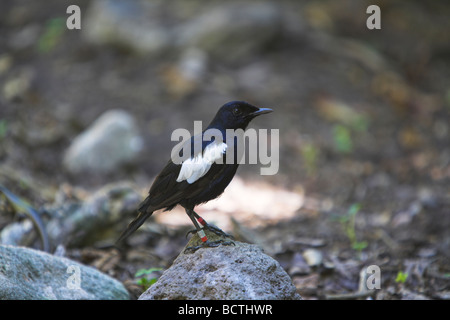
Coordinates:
<point>53,31</point>
<point>3,128</point>
<point>310,155</point>
<point>142,272</point>
<point>360,245</point>
<point>401,277</point>
<point>354,209</point>
<point>144,281</point>
<point>342,139</point>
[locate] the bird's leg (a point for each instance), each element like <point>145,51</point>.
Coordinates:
<point>208,226</point>
<point>199,229</point>
<point>201,233</point>
<point>211,227</point>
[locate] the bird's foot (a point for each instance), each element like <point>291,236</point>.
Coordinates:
<point>217,231</point>
<point>209,244</point>
<point>213,229</point>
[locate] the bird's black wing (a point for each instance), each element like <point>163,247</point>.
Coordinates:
<point>169,188</point>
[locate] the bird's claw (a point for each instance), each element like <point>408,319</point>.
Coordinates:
<point>209,244</point>
<point>213,229</point>
<point>217,231</point>
<point>191,231</point>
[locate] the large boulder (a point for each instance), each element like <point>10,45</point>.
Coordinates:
<point>28,274</point>
<point>235,272</point>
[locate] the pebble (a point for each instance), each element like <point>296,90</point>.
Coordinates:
<point>313,257</point>
<point>111,141</point>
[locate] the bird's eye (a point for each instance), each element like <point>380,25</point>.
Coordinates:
<point>237,111</point>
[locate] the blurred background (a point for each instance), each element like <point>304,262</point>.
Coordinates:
<point>363,117</point>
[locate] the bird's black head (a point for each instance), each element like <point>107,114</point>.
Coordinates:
<point>236,115</point>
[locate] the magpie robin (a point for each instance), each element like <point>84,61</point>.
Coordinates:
<point>202,176</point>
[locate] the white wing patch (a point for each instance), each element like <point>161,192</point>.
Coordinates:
<point>194,168</point>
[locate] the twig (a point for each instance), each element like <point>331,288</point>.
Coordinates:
<point>31,213</point>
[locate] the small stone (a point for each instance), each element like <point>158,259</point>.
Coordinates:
<point>112,140</point>
<point>313,257</point>
<point>16,87</point>
<point>299,265</point>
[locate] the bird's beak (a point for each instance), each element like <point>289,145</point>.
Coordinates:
<point>260,111</point>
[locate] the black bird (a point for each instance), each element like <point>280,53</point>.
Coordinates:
<point>200,177</point>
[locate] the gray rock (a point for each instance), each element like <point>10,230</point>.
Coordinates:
<point>17,233</point>
<point>109,142</point>
<point>227,31</point>
<point>28,274</point>
<point>136,25</point>
<point>17,86</point>
<point>233,30</point>
<point>99,218</point>
<point>235,272</point>
<point>313,257</point>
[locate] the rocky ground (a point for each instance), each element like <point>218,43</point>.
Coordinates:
<point>363,119</point>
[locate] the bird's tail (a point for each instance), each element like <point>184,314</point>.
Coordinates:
<point>144,212</point>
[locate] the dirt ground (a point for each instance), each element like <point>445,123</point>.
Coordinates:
<point>363,119</point>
